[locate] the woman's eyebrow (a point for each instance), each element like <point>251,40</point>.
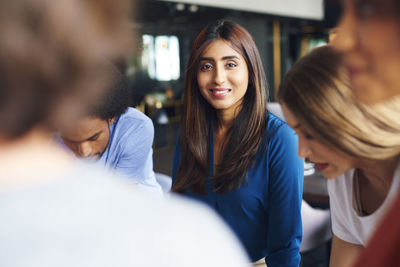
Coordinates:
<point>206,59</point>
<point>297,126</point>
<point>212,59</point>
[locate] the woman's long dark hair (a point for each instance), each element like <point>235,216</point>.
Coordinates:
<point>199,117</point>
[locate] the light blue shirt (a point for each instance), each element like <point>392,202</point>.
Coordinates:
<point>130,149</point>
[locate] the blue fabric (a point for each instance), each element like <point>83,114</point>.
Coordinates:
<point>265,212</point>
<point>130,149</point>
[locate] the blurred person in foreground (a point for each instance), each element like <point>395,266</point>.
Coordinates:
<point>369,36</point>
<point>116,136</point>
<point>56,211</point>
<point>351,144</point>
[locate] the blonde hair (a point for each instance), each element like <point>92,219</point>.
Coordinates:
<point>317,91</point>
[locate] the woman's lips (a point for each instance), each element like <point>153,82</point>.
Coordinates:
<point>321,166</point>
<point>353,72</point>
<point>220,92</point>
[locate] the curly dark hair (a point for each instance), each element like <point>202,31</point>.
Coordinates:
<point>50,59</point>
<point>117,99</point>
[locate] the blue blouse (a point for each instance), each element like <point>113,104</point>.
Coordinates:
<point>264,212</point>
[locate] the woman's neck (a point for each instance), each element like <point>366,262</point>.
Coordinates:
<point>226,118</point>
<point>379,173</point>
<point>31,158</point>
<point>374,181</point>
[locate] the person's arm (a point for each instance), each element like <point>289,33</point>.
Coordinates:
<point>284,199</point>
<point>343,254</point>
<point>135,154</point>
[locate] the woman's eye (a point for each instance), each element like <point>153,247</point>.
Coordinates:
<point>231,65</point>
<point>366,8</point>
<point>308,136</point>
<point>205,67</point>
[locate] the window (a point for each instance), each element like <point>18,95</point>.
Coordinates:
<point>160,57</point>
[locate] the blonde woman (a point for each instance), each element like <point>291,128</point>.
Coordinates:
<point>352,142</point>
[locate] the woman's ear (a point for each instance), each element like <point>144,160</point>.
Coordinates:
<point>110,121</point>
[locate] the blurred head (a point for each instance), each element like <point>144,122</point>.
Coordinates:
<point>51,59</point>
<point>369,36</point>
<point>334,129</point>
<point>89,135</point>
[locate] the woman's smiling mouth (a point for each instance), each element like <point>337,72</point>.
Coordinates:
<point>220,92</point>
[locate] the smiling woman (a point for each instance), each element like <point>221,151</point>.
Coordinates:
<point>223,77</point>
<point>234,155</point>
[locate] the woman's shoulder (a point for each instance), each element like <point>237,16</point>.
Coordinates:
<point>274,120</point>
<point>277,127</point>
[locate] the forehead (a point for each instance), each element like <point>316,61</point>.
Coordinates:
<point>220,48</point>
<point>84,128</point>
<point>389,6</point>
<point>289,116</point>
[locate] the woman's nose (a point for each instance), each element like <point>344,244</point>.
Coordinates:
<point>303,150</point>
<point>220,76</point>
<point>346,33</point>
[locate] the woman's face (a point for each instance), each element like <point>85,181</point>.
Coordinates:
<point>222,76</point>
<point>369,35</point>
<point>329,162</point>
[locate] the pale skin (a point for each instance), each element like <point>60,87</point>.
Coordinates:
<point>343,254</point>
<point>369,37</point>
<point>31,159</point>
<point>223,80</point>
<point>374,183</point>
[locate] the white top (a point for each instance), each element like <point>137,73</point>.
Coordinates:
<point>316,227</point>
<point>346,223</point>
<point>90,218</point>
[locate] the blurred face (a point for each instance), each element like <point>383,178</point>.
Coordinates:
<point>369,35</point>
<point>88,138</point>
<point>223,76</point>
<point>329,162</point>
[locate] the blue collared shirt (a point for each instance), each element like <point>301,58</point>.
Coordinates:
<point>130,149</point>
<point>265,212</point>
